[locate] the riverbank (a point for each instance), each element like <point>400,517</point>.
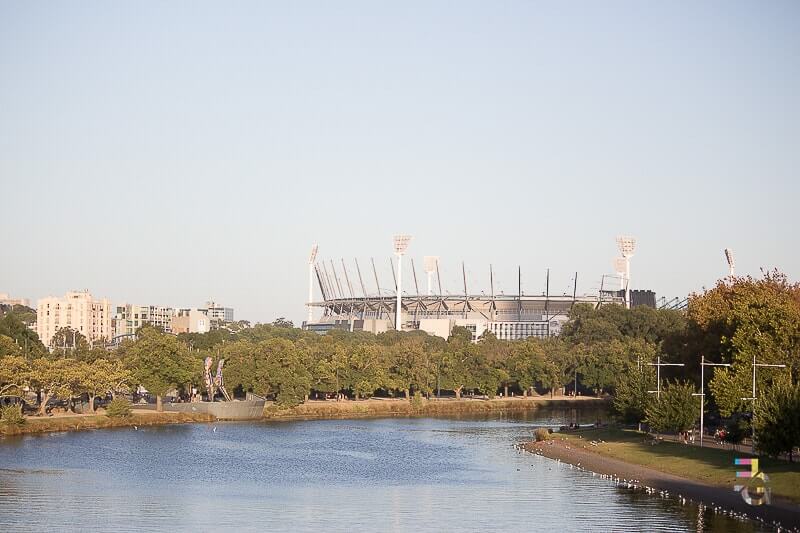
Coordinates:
<point>311,410</point>
<point>375,407</point>
<point>72,422</point>
<point>701,474</point>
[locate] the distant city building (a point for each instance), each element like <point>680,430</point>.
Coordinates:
<point>128,318</point>
<point>77,310</point>
<point>191,321</point>
<point>5,299</point>
<point>643,297</point>
<point>218,313</point>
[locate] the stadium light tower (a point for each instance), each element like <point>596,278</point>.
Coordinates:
<point>619,268</point>
<point>431,262</point>
<point>627,245</point>
<point>400,246</point>
<point>311,259</point>
<point>731,262</point>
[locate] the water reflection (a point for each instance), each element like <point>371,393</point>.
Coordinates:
<point>336,475</point>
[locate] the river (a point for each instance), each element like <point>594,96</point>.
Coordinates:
<point>396,474</point>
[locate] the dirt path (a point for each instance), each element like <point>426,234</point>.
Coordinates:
<point>784,512</point>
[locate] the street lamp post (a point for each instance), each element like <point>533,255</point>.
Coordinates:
<point>658,364</point>
<point>627,245</point>
<point>702,394</point>
<point>400,246</point>
<point>753,399</point>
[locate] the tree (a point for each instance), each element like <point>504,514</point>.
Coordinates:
<point>742,318</point>
<point>52,378</point>
<point>631,399</point>
<point>67,341</point>
<point>560,364</point>
<point>458,361</point>
<point>525,365</point>
<point>14,374</point>
<point>409,365</point>
<point>282,323</point>
<point>287,373</point>
<point>101,376</point>
<point>8,347</point>
<point>159,363</point>
<point>777,419</point>
<point>14,324</point>
<point>676,409</point>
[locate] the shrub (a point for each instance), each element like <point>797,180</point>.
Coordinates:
<point>541,434</point>
<point>119,408</point>
<point>416,400</point>
<point>12,416</point>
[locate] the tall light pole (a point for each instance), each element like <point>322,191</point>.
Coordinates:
<point>658,364</point>
<point>400,246</point>
<point>731,262</point>
<point>620,267</point>
<point>311,259</point>
<point>702,394</point>
<point>753,399</point>
<point>431,262</point>
<point>627,245</point>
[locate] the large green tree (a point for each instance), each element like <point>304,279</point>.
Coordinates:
<point>631,397</point>
<point>777,418</point>
<point>676,410</point>
<point>159,362</point>
<point>100,377</point>
<point>14,374</point>
<point>52,378</point>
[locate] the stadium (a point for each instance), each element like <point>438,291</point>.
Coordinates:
<point>347,304</point>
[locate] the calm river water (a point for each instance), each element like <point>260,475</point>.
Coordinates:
<point>399,474</point>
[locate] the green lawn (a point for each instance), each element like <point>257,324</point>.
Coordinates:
<point>709,465</point>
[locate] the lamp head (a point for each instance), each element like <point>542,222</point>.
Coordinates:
<point>431,261</point>
<point>626,245</point>
<point>401,243</point>
<point>729,257</point>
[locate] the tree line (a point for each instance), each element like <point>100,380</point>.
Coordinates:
<point>608,350</point>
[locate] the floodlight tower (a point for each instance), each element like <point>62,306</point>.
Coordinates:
<point>627,245</point>
<point>619,268</point>
<point>431,262</point>
<point>731,262</point>
<point>400,246</point>
<point>311,259</point>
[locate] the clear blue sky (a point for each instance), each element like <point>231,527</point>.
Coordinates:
<point>167,152</point>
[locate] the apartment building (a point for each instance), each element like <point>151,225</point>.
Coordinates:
<point>128,318</point>
<point>218,313</point>
<point>191,321</point>
<point>77,310</point>
<point>5,299</point>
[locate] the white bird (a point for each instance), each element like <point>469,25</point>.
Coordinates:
<point>215,429</point>
<point>136,428</point>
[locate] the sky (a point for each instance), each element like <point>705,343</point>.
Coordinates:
<point>166,153</point>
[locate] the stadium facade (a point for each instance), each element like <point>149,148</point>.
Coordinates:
<point>509,317</point>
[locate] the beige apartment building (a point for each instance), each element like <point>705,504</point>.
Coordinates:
<point>128,318</point>
<point>77,310</point>
<point>191,321</point>
<point>5,299</point>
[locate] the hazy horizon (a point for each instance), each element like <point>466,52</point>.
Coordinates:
<point>168,154</point>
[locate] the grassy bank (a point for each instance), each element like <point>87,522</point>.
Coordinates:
<point>401,407</point>
<point>79,422</point>
<point>711,466</point>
